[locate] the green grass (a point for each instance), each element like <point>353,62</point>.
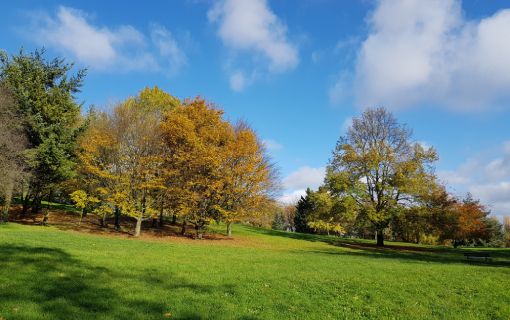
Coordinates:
<point>46,273</point>
<point>69,208</point>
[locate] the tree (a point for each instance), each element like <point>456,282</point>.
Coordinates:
<point>44,95</point>
<point>303,211</point>
<point>248,177</point>
<point>278,221</point>
<point>195,136</point>
<point>12,145</point>
<point>122,156</point>
<point>506,228</point>
<point>284,218</point>
<point>378,166</point>
<point>81,200</point>
<point>471,223</point>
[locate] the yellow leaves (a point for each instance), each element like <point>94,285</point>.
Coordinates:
<point>79,197</point>
<point>156,99</point>
<point>154,153</point>
<point>326,226</point>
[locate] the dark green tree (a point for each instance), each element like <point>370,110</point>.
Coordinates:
<point>304,209</point>
<point>44,94</point>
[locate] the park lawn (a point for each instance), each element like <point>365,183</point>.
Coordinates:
<point>46,273</point>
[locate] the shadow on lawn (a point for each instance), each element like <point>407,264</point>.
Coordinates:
<point>396,251</point>
<point>39,282</point>
<point>438,257</point>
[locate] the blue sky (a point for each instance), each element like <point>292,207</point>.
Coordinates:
<point>299,70</point>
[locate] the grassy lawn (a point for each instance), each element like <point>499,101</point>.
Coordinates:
<point>46,273</point>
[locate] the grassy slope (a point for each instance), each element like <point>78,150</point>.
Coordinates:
<point>50,274</point>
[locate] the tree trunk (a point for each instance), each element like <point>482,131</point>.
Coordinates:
<point>380,238</point>
<point>117,218</point>
<point>183,230</point>
<point>199,232</point>
<point>174,219</point>
<point>138,227</point>
<point>47,211</point>
<point>81,216</point>
<point>36,204</point>
<point>104,223</point>
<point>26,202</point>
<point>154,222</point>
<point>229,229</point>
<point>161,222</point>
<point>4,216</point>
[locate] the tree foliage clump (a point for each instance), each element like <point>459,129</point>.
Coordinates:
<point>155,156</point>
<point>12,147</point>
<point>380,183</point>
<point>378,166</point>
<point>43,91</point>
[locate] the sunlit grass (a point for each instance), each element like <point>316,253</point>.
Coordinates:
<point>46,273</point>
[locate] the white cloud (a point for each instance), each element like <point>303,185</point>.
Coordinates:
<point>292,197</point>
<point>272,144</point>
<point>428,52</point>
<point>238,81</point>
<point>296,183</point>
<point>249,26</point>
<point>305,177</point>
<point>486,179</point>
<point>168,48</point>
<point>123,48</point>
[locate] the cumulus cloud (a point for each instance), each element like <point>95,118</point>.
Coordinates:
<point>487,179</point>
<point>420,52</point>
<point>296,183</point>
<point>122,48</point>
<point>292,197</point>
<point>305,177</point>
<point>251,27</point>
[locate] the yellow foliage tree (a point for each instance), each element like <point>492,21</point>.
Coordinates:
<point>195,135</point>
<point>248,176</point>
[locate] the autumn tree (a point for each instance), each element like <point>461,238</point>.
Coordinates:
<point>122,156</point>
<point>470,224</point>
<point>81,201</point>
<point>248,177</point>
<point>380,168</point>
<point>43,91</point>
<point>195,136</point>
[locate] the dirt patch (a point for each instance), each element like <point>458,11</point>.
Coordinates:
<point>91,224</point>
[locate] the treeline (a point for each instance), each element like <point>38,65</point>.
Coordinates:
<point>152,157</point>
<point>381,184</point>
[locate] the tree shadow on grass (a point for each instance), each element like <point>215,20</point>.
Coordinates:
<point>40,282</point>
<point>409,256</point>
<point>366,248</point>
<point>286,234</point>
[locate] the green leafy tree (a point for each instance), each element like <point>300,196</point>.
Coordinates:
<point>44,94</point>
<point>380,168</point>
